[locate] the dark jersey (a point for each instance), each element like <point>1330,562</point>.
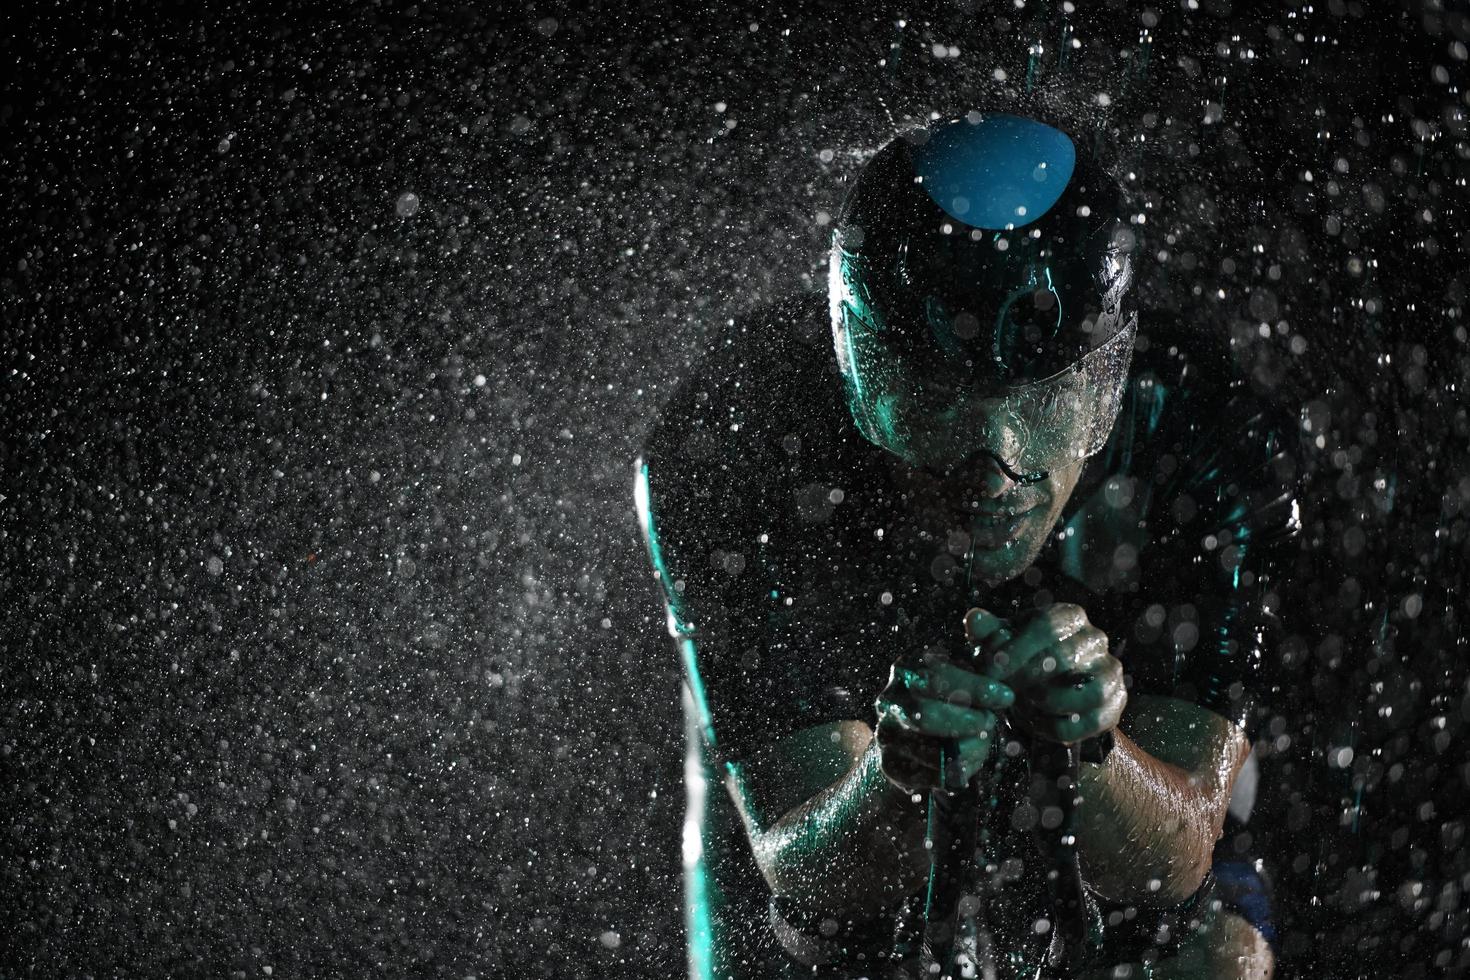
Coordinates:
<point>768,515</point>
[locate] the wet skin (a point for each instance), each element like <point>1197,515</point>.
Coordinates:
<point>852,825</point>
<point>847,826</point>
<point>1006,522</point>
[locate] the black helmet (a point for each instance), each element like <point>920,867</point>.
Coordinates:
<point>980,291</point>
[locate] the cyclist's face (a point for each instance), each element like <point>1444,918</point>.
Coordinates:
<point>931,411</point>
<point>997,525</point>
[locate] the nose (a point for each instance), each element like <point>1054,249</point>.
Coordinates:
<point>991,479</point>
<point>982,474</point>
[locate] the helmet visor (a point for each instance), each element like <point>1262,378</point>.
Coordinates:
<point>909,404</point>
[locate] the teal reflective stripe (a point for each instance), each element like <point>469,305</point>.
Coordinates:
<point>1158,394</point>
<point>701,894</point>
<point>680,628</point>
<point>854,377</point>
<point>1242,545</point>
<point>1051,287</point>
<point>699,922</point>
<point>643,501</point>
<point>1025,291</point>
<point>696,688</point>
<point>930,822</point>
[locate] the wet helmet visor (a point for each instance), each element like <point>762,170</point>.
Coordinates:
<point>940,411</point>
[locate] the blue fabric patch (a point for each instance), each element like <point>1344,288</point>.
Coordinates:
<point>1001,172</point>
<point>1240,888</point>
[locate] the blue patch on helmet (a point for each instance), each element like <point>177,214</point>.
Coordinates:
<point>1002,172</point>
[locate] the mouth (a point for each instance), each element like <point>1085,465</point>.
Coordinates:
<point>999,529</point>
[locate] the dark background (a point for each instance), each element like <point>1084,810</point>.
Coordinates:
<point>329,645</point>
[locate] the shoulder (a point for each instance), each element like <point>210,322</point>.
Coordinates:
<point>1203,448</point>
<point>720,466</point>
<point>724,491</point>
<point>764,394</point>
<point>1191,515</point>
<point>745,390</point>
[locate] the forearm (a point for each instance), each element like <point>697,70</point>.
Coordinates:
<point>1147,829</point>
<point>854,848</point>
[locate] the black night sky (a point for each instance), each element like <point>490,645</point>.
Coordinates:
<point>329,643</point>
